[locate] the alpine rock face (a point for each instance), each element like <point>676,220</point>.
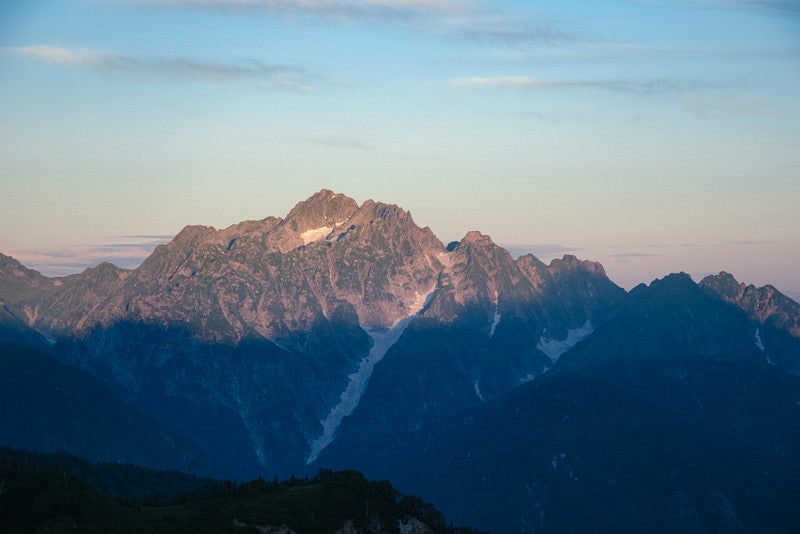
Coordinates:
<point>256,341</point>
<point>775,318</point>
<point>346,336</point>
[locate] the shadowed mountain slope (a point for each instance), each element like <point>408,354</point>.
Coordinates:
<point>668,418</point>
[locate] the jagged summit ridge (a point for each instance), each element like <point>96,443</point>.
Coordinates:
<point>328,259</point>
<point>270,278</point>
<point>762,304</point>
<point>322,208</point>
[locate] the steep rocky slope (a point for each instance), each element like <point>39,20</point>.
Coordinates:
<point>775,318</point>
<point>258,340</point>
<point>666,419</point>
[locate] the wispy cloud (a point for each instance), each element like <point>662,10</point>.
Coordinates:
<point>775,7</point>
<point>463,19</point>
<point>337,8</point>
<point>507,29</point>
<point>148,239</point>
<point>751,243</point>
<point>529,83</point>
<point>697,97</point>
<point>712,244</point>
<point>633,255</point>
<point>285,77</point>
<point>594,51</point>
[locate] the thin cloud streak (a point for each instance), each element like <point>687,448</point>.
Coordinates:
<point>284,77</point>
<point>419,15</point>
<point>528,83</point>
<point>592,52</point>
<point>335,8</point>
<point>499,28</point>
<point>157,238</point>
<point>633,255</point>
<point>447,18</point>
<point>729,244</point>
<point>773,7</point>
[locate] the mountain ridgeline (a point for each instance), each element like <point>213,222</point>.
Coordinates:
<point>510,392</point>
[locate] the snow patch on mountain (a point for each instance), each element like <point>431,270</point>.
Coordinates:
<point>757,340</point>
<point>496,318</point>
<point>528,377</point>
<point>445,259</point>
<point>420,301</point>
<point>315,234</point>
<point>478,391</point>
<point>554,348</point>
<point>760,345</point>
<point>357,382</point>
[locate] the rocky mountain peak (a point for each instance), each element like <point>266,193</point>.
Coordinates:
<point>16,279</point>
<point>370,262</point>
<point>321,210</point>
<point>572,263</point>
<point>104,272</point>
<point>243,228</point>
<point>674,282</point>
<point>761,304</point>
<point>10,267</point>
<point>482,273</point>
<point>723,285</point>
<point>191,234</point>
<point>311,220</point>
<point>476,239</point>
<point>378,211</point>
<point>479,249</point>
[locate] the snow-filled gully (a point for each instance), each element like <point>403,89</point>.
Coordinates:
<point>554,348</point>
<point>358,381</point>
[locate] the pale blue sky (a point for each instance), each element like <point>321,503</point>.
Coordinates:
<point>653,136</point>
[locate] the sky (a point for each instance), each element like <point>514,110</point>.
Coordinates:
<point>652,136</point>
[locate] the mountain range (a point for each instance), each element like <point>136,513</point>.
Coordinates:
<point>517,396</point>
